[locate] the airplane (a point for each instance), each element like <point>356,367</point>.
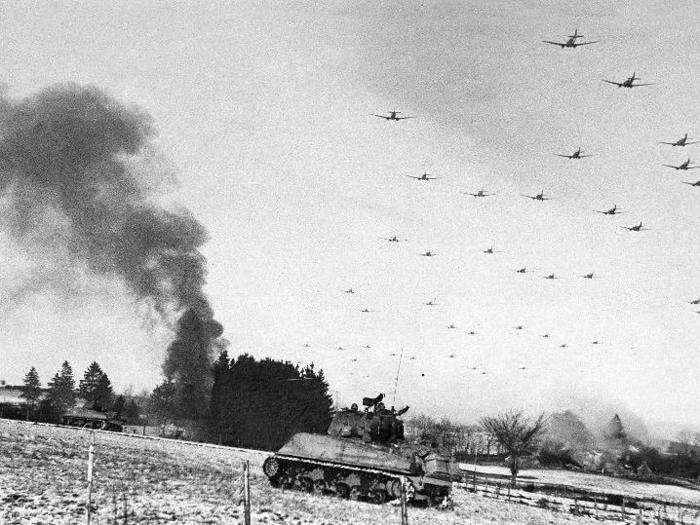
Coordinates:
<point>550,276</point>
<point>611,211</point>
<point>629,83</point>
<point>571,42</point>
<point>349,290</point>
<point>431,303</point>
<point>366,346</point>
<point>588,276</point>
<point>681,142</point>
<point>522,368</point>
<point>423,177</point>
<point>428,254</point>
<point>595,343</point>
<point>307,345</point>
<point>393,239</point>
<point>472,332</point>
<point>696,183</point>
<point>562,345</point>
<point>452,355</point>
<point>575,155</point>
<point>539,197</point>
<point>519,327</point>
<point>685,166</point>
<point>392,116</point>
<point>696,301</point>
<point>545,336</point>
<point>451,326</point>
<point>479,193</point>
<point>366,310</point>
<point>491,250</point>
<point>522,270</point>
<point>636,228</point>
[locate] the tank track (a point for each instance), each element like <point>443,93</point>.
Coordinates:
<point>349,481</point>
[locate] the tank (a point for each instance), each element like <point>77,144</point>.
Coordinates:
<point>362,456</point>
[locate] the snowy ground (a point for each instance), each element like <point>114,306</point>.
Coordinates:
<point>594,483</point>
<point>43,480</point>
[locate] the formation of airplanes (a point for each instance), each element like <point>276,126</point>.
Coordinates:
<point>571,41</point>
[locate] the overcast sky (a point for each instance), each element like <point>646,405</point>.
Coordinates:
<point>264,113</point>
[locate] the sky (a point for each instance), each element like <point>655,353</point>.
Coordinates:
<point>264,118</point>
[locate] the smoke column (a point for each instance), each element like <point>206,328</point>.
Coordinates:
<point>70,183</point>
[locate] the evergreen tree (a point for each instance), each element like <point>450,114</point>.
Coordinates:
<point>162,402</point>
<point>119,407</point>
<point>96,388</point>
<point>61,394</point>
<point>31,391</point>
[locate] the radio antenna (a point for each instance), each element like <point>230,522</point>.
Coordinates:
<point>396,379</point>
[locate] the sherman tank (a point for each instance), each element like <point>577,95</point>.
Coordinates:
<point>363,455</point>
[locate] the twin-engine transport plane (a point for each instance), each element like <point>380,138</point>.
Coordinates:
<point>479,193</point>
<point>571,42</point>
<point>391,116</point>
<point>685,166</point>
<point>539,197</point>
<point>636,228</point>
<point>611,211</point>
<point>629,83</point>
<point>423,177</point>
<point>575,155</point>
<point>681,142</point>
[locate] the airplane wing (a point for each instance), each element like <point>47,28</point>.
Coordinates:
<point>565,156</point>
<point>413,177</point>
<point>688,183</point>
<point>692,167</point>
<point>618,84</point>
<point>555,43</point>
<point>528,196</point>
<point>576,44</point>
<point>433,178</point>
<point>582,156</point>
<point>403,118</point>
<point>380,116</point>
<point>669,143</point>
<point>670,166</point>
<point>694,142</point>
<point>639,85</point>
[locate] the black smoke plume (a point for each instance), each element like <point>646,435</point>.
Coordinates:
<point>74,173</point>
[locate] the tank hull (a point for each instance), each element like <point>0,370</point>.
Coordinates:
<point>354,469</point>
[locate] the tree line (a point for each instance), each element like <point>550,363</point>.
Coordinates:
<point>253,404</point>
<point>61,394</point>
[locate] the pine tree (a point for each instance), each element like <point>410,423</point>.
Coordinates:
<point>31,391</point>
<point>61,394</point>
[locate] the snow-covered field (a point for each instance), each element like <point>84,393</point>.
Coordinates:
<point>43,479</point>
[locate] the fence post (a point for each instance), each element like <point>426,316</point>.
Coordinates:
<point>246,492</point>
<point>404,509</point>
<point>91,456</point>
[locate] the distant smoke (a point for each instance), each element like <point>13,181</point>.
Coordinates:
<point>74,168</point>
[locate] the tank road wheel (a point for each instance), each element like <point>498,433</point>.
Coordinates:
<point>342,490</point>
<point>306,484</point>
<point>319,487</point>
<point>355,493</point>
<point>271,467</point>
<point>394,488</point>
<point>378,496</point>
<point>286,481</point>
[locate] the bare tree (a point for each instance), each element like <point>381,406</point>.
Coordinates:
<point>516,434</point>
